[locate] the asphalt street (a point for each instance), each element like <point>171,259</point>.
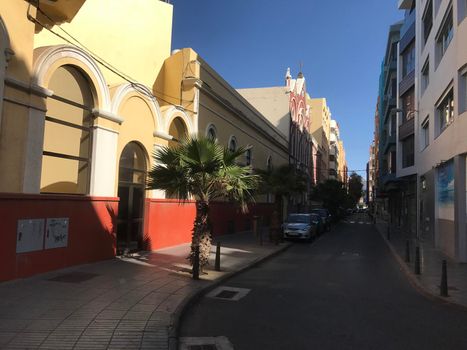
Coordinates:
<point>343,291</point>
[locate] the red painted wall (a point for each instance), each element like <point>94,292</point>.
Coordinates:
<point>91,236</point>
<point>92,227</point>
<point>170,223</point>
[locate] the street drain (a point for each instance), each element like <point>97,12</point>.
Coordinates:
<point>228,293</point>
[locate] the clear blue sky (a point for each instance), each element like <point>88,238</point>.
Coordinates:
<point>341,44</point>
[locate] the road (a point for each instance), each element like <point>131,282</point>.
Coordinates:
<point>344,291</point>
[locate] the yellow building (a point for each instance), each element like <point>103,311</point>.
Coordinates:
<point>84,107</point>
<point>320,116</point>
<point>341,163</point>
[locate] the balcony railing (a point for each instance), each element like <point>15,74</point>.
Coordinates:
<point>406,129</point>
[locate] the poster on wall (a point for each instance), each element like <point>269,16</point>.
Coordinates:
<point>56,233</point>
<point>445,185</point>
<point>29,235</point>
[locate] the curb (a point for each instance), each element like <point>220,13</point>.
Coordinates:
<point>413,280</point>
<point>196,295</point>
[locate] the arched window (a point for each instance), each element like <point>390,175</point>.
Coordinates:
<point>248,156</point>
<point>211,132</point>
<point>132,166</point>
<point>177,130</point>
<point>269,163</point>
<point>67,134</point>
<point>232,144</point>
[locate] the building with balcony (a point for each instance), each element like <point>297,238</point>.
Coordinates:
<point>320,129</point>
<point>440,122</point>
<point>388,182</point>
<point>406,115</point>
<point>334,150</point>
<point>342,169</point>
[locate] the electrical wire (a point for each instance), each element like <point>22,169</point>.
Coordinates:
<point>137,86</point>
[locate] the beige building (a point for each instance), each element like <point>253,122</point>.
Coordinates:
<point>320,118</point>
<point>286,108</point>
<point>341,163</point>
<point>219,110</point>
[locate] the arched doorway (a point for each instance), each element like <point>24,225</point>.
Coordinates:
<point>131,188</point>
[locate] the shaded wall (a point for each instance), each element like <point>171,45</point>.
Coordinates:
<point>91,232</point>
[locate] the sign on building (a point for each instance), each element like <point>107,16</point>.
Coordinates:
<point>30,235</point>
<point>56,233</point>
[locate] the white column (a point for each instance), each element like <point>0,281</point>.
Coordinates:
<point>33,151</point>
<point>159,194</point>
<point>104,162</point>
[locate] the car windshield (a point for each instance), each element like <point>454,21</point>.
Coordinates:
<point>299,218</point>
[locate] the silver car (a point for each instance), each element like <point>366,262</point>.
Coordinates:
<point>301,226</point>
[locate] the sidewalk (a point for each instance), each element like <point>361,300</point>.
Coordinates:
<point>428,282</point>
<point>124,303</point>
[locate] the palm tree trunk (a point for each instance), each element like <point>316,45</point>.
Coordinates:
<point>201,235</point>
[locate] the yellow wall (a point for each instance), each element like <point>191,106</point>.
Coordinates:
<point>21,33</point>
<point>134,36</point>
<point>320,116</point>
<point>172,86</point>
<point>14,124</point>
<point>138,126</point>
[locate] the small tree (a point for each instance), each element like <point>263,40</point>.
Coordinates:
<point>355,187</point>
<point>283,182</point>
<point>333,195</point>
<point>202,169</point>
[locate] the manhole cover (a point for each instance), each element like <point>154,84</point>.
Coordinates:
<point>73,277</point>
<point>228,293</point>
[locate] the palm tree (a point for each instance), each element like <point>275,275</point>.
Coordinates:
<point>283,182</point>
<point>202,169</point>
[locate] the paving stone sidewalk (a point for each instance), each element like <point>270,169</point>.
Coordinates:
<point>124,303</point>
<point>431,266</point>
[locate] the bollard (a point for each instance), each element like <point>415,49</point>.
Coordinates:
<point>255,226</point>
<point>196,264</point>
<point>217,265</point>
<point>389,233</point>
<point>407,251</point>
<point>444,280</point>
<point>417,260</point>
<point>260,232</point>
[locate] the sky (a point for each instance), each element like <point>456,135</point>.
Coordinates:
<point>340,44</point>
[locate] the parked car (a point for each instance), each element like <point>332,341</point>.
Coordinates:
<point>301,226</point>
<point>325,217</point>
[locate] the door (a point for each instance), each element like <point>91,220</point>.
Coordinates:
<point>131,187</point>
